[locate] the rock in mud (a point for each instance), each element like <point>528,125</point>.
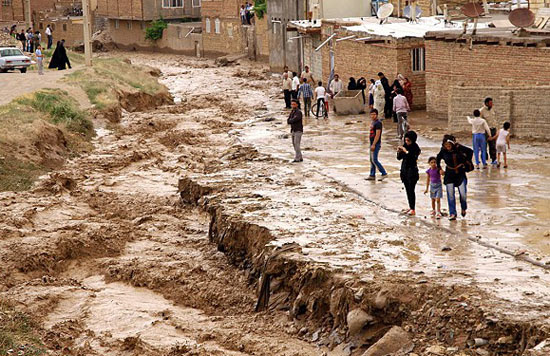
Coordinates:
<point>357,319</point>
<point>542,349</point>
<point>393,341</point>
<point>381,301</point>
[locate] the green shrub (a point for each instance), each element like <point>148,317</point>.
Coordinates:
<point>260,8</point>
<point>155,30</point>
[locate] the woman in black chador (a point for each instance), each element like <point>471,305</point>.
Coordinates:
<point>59,58</point>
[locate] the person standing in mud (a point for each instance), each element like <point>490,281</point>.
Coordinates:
<point>388,105</point>
<point>375,138</point>
<point>306,74</point>
<point>408,155</point>
<point>287,87</point>
<point>295,85</point>
<point>306,91</point>
<point>458,161</point>
<point>489,114</point>
<point>296,130</point>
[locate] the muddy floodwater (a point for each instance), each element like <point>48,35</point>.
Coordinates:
<point>187,231</point>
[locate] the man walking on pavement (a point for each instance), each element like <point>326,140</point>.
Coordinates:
<point>489,114</point>
<point>401,107</point>
<point>50,36</point>
<point>296,130</point>
<point>375,139</point>
<point>287,87</point>
<point>306,91</point>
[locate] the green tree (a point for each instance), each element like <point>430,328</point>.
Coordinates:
<point>154,31</point>
<point>260,8</point>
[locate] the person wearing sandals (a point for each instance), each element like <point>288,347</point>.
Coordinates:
<point>458,161</point>
<point>435,186</point>
<point>408,155</point>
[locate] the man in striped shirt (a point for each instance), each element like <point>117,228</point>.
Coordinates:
<point>307,92</point>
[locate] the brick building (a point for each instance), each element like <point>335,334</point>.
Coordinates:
<point>12,10</point>
<point>224,33</point>
<point>128,19</point>
<point>462,70</point>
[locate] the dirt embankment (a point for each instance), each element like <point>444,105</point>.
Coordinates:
<point>110,261</point>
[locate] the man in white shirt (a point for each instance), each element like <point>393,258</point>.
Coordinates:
<point>287,87</point>
<point>50,36</point>
<point>479,129</point>
<point>336,85</point>
<point>320,95</point>
<point>295,85</point>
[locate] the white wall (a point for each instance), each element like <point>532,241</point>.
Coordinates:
<point>345,8</point>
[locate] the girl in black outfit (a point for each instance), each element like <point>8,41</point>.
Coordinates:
<point>352,85</point>
<point>408,155</point>
<point>362,85</point>
<point>458,161</point>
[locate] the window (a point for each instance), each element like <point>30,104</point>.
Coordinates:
<point>196,3</point>
<point>218,25</point>
<point>40,26</point>
<point>117,24</point>
<point>143,25</point>
<point>6,2</point>
<point>129,25</point>
<point>64,27</point>
<point>207,25</point>
<point>418,56</point>
<point>172,3</point>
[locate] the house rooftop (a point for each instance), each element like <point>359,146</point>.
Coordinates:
<point>498,35</point>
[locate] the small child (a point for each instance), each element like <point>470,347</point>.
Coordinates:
<point>503,140</point>
<point>433,182</point>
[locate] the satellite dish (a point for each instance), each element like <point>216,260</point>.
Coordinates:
<point>522,17</point>
<point>473,10</point>
<point>407,12</point>
<point>384,11</point>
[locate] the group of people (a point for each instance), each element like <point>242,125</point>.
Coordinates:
<point>247,13</point>
<point>30,40</point>
<point>457,157</point>
<point>393,101</point>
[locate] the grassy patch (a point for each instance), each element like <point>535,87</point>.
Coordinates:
<point>17,333</point>
<point>110,74</point>
<point>60,109</point>
<point>22,130</point>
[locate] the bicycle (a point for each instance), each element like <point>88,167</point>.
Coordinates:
<point>319,110</point>
<point>402,126</point>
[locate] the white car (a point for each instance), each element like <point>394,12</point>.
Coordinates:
<point>12,58</point>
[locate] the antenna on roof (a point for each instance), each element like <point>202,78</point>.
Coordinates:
<point>384,12</point>
<point>472,11</point>
<point>522,18</point>
<point>409,14</point>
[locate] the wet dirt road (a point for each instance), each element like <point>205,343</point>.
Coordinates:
<point>108,260</point>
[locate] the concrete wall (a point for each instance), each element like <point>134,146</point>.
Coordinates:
<point>283,52</point>
<point>526,108</point>
<point>451,64</point>
<point>312,59</point>
<point>331,9</point>
<point>173,39</point>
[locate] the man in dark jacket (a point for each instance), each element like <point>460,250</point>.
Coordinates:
<point>296,129</point>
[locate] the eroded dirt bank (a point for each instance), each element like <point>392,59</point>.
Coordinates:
<point>110,260</point>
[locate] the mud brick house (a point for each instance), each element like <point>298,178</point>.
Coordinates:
<point>128,19</point>
<point>224,33</point>
<point>12,10</point>
<point>515,71</point>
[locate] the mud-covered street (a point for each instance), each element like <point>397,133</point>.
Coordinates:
<point>187,231</point>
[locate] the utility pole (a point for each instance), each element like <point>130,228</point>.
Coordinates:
<point>87,34</point>
<point>28,13</point>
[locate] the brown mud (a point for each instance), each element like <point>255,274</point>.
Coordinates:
<point>109,259</point>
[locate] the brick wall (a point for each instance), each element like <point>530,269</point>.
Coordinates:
<point>357,59</point>
<point>526,108</point>
<point>453,64</point>
<point>173,38</point>
<point>425,5</point>
<point>14,12</point>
